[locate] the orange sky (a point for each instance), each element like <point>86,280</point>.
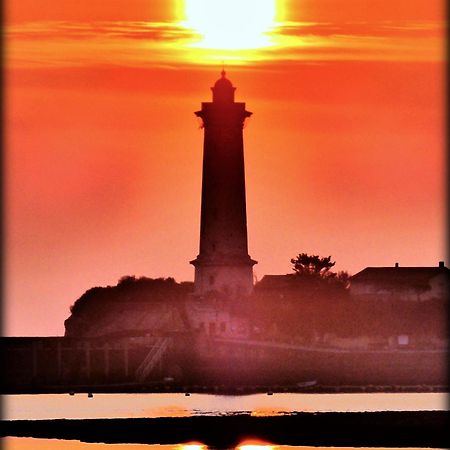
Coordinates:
<point>344,152</point>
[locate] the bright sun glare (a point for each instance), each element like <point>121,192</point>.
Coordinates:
<point>231,24</point>
<point>255,447</point>
<point>191,447</point>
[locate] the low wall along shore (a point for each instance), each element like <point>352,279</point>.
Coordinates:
<point>198,363</point>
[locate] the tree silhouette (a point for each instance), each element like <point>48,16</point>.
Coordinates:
<point>313,265</point>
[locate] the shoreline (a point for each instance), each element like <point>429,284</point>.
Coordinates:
<point>370,429</point>
<point>166,388</point>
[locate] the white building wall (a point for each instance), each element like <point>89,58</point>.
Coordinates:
<point>216,320</point>
<point>231,280</point>
<point>438,288</point>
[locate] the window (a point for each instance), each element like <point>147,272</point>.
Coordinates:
<point>223,327</point>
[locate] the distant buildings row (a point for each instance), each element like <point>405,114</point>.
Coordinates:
<point>373,286</point>
<point>413,284</point>
<point>384,306</point>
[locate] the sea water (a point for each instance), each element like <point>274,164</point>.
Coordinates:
<point>81,406</point>
<point>107,406</point>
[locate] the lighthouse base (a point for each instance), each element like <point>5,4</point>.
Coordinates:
<point>229,276</point>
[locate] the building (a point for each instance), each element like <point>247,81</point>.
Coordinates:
<point>217,318</point>
<point>223,264</point>
<point>414,284</point>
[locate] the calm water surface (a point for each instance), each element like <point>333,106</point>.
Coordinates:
<point>79,406</point>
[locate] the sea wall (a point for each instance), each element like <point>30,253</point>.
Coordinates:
<point>179,362</point>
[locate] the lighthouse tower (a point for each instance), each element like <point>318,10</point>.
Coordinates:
<point>223,263</point>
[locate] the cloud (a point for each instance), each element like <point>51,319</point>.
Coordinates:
<point>144,44</point>
<point>93,30</point>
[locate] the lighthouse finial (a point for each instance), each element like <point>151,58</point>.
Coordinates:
<point>223,73</point>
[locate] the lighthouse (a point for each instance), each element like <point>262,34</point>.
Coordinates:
<point>223,263</point>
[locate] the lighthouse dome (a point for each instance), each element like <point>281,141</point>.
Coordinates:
<point>223,90</point>
<point>223,82</point>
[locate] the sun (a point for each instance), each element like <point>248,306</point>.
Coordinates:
<point>231,24</point>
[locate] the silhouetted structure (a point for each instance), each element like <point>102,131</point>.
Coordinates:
<point>415,284</point>
<point>223,263</point>
<point>294,332</point>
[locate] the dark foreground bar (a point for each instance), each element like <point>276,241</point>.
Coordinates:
<point>374,429</point>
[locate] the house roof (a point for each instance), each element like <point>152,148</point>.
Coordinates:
<point>290,281</point>
<point>277,281</point>
<point>411,276</point>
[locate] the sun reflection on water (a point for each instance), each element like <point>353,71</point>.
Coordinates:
<point>191,446</point>
<point>255,445</point>
<point>245,445</point>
